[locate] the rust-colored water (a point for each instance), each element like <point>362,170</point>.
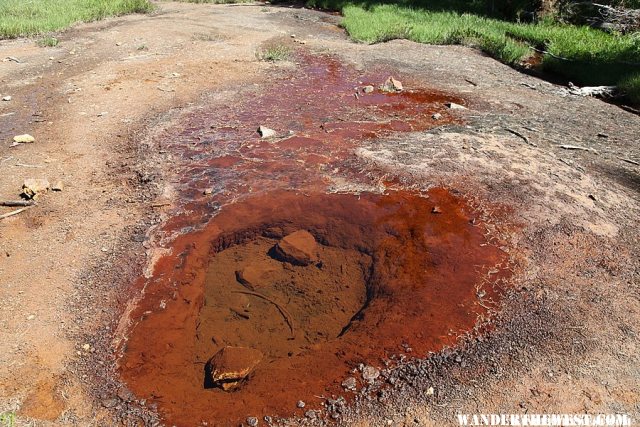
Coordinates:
<point>425,265</point>
<point>318,119</point>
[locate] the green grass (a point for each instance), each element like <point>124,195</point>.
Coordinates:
<point>29,17</point>
<point>274,53</point>
<point>48,41</point>
<point>582,55</point>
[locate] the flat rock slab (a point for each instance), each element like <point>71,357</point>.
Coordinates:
<point>255,275</point>
<point>229,366</point>
<point>298,248</point>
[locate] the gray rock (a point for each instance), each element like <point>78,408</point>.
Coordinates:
<point>392,85</point>
<point>252,421</point>
<point>367,89</point>
<point>370,373</point>
<point>265,132</point>
<point>301,404</point>
<point>350,384</point>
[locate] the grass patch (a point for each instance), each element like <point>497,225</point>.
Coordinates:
<point>631,86</point>
<point>274,53</point>
<point>28,17</point>
<point>583,55</point>
<point>48,41</point>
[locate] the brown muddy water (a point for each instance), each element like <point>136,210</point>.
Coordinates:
<point>396,273</point>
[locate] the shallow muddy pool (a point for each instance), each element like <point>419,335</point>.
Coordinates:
<point>228,327</point>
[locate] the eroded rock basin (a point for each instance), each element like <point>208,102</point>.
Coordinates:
<point>242,318</point>
<point>398,274</point>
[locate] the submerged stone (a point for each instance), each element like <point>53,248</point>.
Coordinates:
<point>229,366</point>
<point>299,248</point>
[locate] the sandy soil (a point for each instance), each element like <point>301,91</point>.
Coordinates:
<point>566,339</point>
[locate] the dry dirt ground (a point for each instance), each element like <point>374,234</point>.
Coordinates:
<point>567,339</point>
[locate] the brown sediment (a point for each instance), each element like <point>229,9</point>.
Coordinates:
<point>424,274</point>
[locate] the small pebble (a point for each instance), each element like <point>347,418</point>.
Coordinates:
<point>6,98</point>
<point>301,404</point>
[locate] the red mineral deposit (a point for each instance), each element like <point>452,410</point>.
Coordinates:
<point>266,261</point>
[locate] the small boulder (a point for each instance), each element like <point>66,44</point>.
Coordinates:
<point>229,366</point>
<point>298,248</point>
<point>58,186</point>
<point>454,106</point>
<point>6,98</point>
<point>265,132</point>
<point>350,384</point>
<point>367,89</point>
<point>392,85</point>
<point>22,139</point>
<point>370,373</point>
<point>32,187</point>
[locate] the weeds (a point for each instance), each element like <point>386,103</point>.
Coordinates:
<point>274,53</point>
<point>48,41</point>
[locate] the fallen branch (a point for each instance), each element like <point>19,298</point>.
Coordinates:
<point>608,91</point>
<point>24,165</point>
<point>577,147</point>
<point>518,134</point>
<point>16,212</point>
<point>633,162</point>
<point>281,309</point>
<point>243,315</point>
<point>13,203</point>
